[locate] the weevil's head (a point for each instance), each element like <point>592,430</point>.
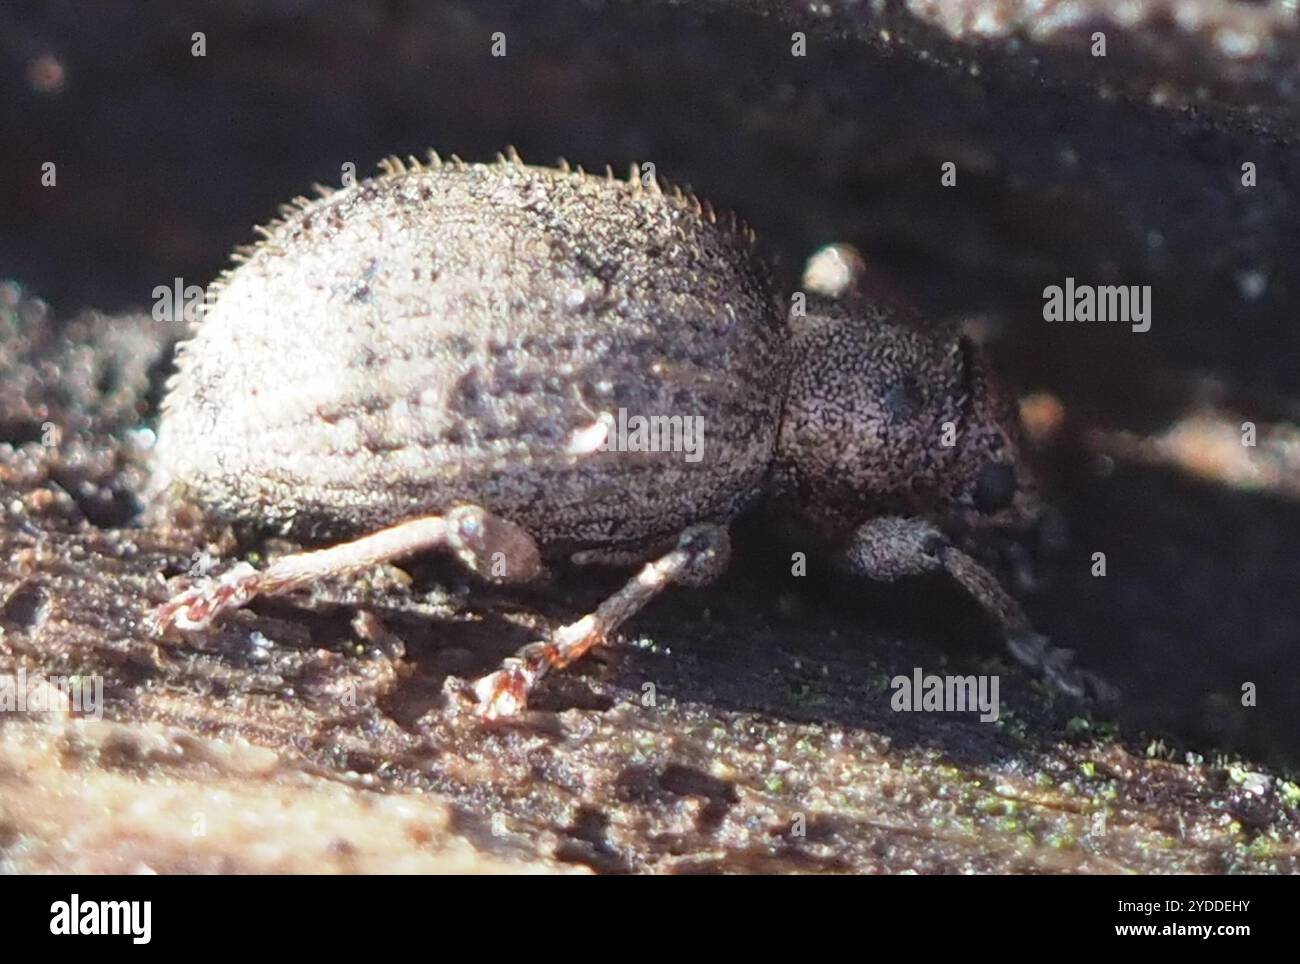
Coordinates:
<point>885,416</point>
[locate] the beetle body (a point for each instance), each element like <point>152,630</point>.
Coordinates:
<point>481,333</point>
<point>451,357</point>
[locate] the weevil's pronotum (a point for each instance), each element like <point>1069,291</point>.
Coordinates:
<point>447,355</point>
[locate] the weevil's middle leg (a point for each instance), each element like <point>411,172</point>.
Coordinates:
<point>701,555</point>
<point>496,549</point>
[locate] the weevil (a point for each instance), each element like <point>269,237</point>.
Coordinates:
<point>446,356</point>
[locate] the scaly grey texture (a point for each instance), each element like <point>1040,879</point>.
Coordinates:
<point>455,334</point>
<point>452,334</point>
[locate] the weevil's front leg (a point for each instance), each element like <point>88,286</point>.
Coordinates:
<point>496,549</point>
<point>891,547</point>
<point>701,555</point>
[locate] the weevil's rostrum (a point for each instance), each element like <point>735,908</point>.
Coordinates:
<point>444,357</point>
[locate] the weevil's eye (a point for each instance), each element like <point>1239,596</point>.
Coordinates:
<point>995,487</point>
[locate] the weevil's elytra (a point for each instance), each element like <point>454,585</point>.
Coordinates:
<point>440,335</point>
<point>435,358</point>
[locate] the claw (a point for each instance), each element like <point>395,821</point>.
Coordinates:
<point>196,608</point>
<point>504,694</point>
<point>1035,652</point>
<point>1028,648</point>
